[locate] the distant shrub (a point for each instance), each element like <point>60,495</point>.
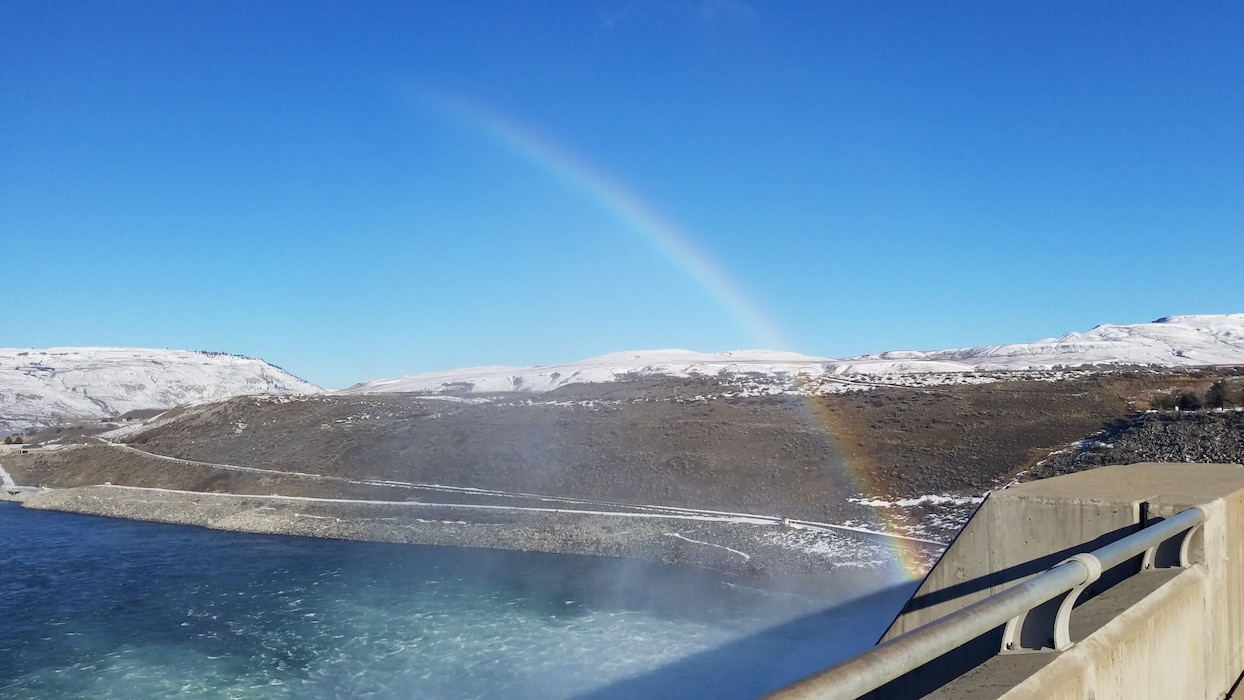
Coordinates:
<point>1186,401</point>
<point>1216,396</point>
<point>1165,402</point>
<point>1189,402</point>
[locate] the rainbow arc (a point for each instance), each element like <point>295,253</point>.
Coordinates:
<point>676,246</point>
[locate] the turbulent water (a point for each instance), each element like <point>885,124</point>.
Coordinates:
<point>101,608</point>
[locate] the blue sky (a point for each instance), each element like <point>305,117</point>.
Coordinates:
<point>361,190</point>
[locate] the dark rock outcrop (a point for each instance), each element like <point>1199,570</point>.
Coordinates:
<point>1155,436</point>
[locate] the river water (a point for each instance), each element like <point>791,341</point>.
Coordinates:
<point>102,608</point>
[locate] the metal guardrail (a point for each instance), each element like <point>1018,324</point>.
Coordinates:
<point>1012,607</point>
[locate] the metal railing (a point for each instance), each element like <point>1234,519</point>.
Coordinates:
<point>894,658</point>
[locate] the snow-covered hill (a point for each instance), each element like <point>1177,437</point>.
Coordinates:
<point>606,368</point>
<point>1174,341</point>
<point>41,387</point>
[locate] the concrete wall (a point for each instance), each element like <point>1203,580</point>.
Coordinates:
<point>1155,649</point>
<point>1182,639</point>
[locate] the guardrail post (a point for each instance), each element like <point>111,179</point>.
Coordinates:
<point>1159,556</point>
<point>1184,546</point>
<point>1047,626</point>
<point>1062,622</point>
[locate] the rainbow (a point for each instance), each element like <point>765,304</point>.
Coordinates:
<point>676,246</point>
<point>908,555</point>
<point>668,239</point>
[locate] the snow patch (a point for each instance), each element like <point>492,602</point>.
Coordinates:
<point>931,500</point>
<point>844,551</point>
<point>745,555</point>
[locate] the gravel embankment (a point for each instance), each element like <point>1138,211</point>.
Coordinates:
<point>737,549</point>
<point>1215,437</point>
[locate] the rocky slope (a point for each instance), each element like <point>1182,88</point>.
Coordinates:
<point>690,442</point>
<point>1215,436</point>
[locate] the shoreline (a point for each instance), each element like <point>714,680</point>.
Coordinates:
<point>765,553</point>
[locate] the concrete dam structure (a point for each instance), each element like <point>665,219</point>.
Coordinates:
<point>1117,582</point>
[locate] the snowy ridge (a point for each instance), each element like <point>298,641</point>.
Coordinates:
<point>42,387</point>
<point>1173,341</point>
<point>606,368</point>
